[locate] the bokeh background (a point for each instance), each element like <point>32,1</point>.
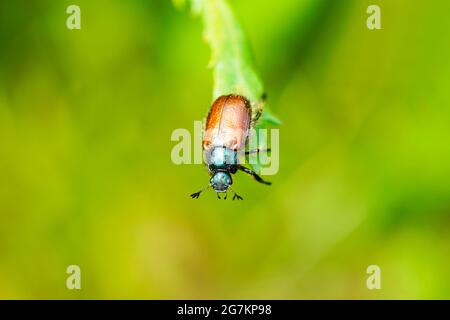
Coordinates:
<point>86,176</point>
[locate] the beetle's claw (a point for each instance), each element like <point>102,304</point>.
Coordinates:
<point>195,195</point>
<point>236,196</point>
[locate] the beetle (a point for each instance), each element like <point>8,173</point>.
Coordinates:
<point>224,138</point>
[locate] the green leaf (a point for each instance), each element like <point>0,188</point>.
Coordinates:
<point>231,57</point>
<point>232,61</point>
<point>196,6</point>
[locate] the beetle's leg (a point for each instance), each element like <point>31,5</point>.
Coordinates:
<point>250,152</point>
<point>236,196</point>
<point>253,174</point>
<point>257,115</point>
<point>257,151</point>
<point>197,194</point>
<point>218,197</point>
<point>258,107</point>
<point>226,195</point>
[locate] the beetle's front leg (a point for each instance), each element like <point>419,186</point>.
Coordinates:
<point>253,174</point>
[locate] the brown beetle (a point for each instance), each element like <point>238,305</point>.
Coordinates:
<point>226,132</point>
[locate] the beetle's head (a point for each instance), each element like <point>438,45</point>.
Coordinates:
<point>221,181</point>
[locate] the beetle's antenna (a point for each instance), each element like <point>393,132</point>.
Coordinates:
<point>197,194</point>
<point>236,196</point>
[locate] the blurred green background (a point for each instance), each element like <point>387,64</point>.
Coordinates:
<point>86,176</point>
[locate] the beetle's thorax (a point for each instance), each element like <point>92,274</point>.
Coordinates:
<point>220,158</point>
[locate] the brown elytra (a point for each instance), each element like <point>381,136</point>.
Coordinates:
<point>228,123</point>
